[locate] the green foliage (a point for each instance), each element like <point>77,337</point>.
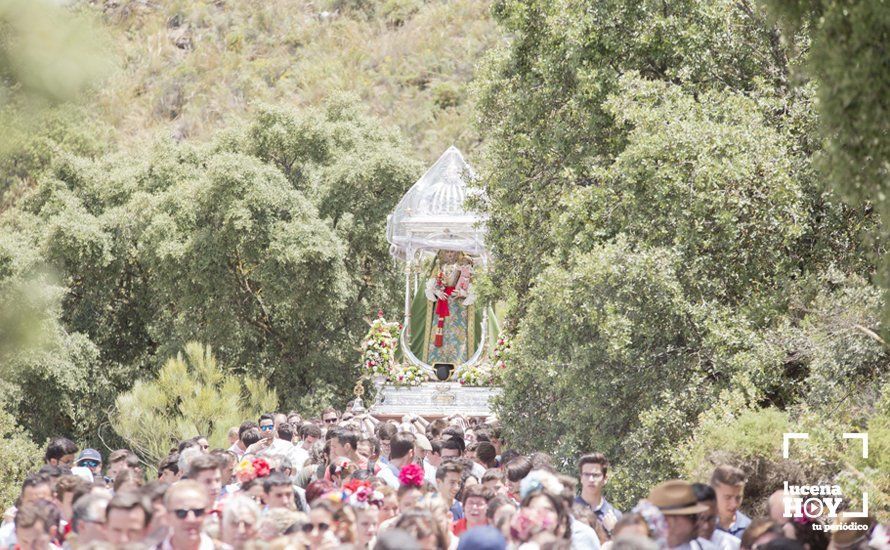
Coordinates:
<point>662,240</point>
<point>19,456</point>
<point>267,244</point>
<point>191,395</point>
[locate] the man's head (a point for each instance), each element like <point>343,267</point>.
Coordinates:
<point>60,452</point>
<point>168,469</point>
<point>475,504</point>
<point>707,519</point>
<point>677,501</point>
<point>486,454</point>
<point>88,517</point>
<point>205,471</point>
<point>385,432</point>
<point>32,527</point>
<point>117,461</point>
<point>448,478</point>
<point>250,436</point>
<point>422,448</point>
<point>330,417</point>
<point>516,471</point>
<point>493,479</point>
<point>267,426</point>
<point>729,485</point>
<point>592,469</point>
<point>239,521</point>
<point>186,503</point>
<point>285,431</point>
<point>92,460</point>
<point>344,444</point>
<point>36,487</point>
<point>775,507</point>
<point>126,517</point>
<point>452,448</point>
<point>68,489</point>
<point>401,446</point>
<point>278,491</point>
<point>309,433</point>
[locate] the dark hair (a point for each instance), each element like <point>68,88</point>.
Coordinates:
<point>50,470</point>
<point>246,425</point>
<point>808,536</point>
<point>704,493</point>
<point>71,484</point>
<point>401,444</point>
<point>348,437</point>
<point>386,430</point>
<point>155,490</point>
<point>453,443</point>
<point>28,516</point>
<point>250,436</point>
<point>486,454</point>
<point>58,448</point>
<point>285,431</point>
<point>451,431</point>
<point>276,479</point>
<point>35,480</point>
<point>518,468</point>
<point>129,500</point>
<point>594,458</point>
<point>318,489</point>
<point>266,416</point>
<point>202,463</point>
<point>477,491</point>
<point>310,430</point>
<point>434,429</point>
<point>420,524</point>
<point>727,475</point>
<point>448,467</point>
<point>492,474</point>
<point>118,455</point>
<point>170,462</point>
<point>372,441</point>
<point>483,434</point>
<point>186,444</point>
<point>496,503</point>
<point>508,456</point>
<point>436,446</point>
<point>783,543</point>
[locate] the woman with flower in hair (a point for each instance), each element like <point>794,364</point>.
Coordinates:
<point>542,514</point>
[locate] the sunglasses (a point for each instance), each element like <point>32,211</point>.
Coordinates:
<point>89,463</point>
<point>330,420</point>
<point>183,513</point>
<point>267,428</point>
<point>309,527</point>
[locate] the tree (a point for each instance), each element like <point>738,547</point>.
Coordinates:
<point>191,395</point>
<point>661,236</point>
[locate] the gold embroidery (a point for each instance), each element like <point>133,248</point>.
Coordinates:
<point>430,311</point>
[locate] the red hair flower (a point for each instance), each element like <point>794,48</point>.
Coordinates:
<point>353,485</point>
<point>411,475</point>
<point>261,467</point>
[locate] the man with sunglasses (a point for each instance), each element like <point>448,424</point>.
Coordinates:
<point>187,505</point>
<point>91,460</point>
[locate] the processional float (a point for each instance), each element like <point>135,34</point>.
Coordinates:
<point>446,336</point>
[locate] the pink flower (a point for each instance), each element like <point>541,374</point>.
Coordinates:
<point>411,475</point>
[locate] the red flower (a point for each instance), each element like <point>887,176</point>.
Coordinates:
<point>261,467</point>
<point>353,485</point>
<point>411,475</point>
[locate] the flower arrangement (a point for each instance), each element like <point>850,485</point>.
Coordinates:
<point>360,494</point>
<point>407,375</point>
<point>379,347</point>
<point>411,475</point>
<point>480,375</point>
<point>248,470</point>
<point>500,358</point>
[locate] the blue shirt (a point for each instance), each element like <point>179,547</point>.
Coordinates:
<point>457,511</point>
<point>738,526</point>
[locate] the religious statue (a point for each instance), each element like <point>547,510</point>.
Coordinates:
<point>445,327</point>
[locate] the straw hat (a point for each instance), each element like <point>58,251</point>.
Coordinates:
<point>676,498</point>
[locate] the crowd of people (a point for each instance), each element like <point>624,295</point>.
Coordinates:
<point>345,481</point>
